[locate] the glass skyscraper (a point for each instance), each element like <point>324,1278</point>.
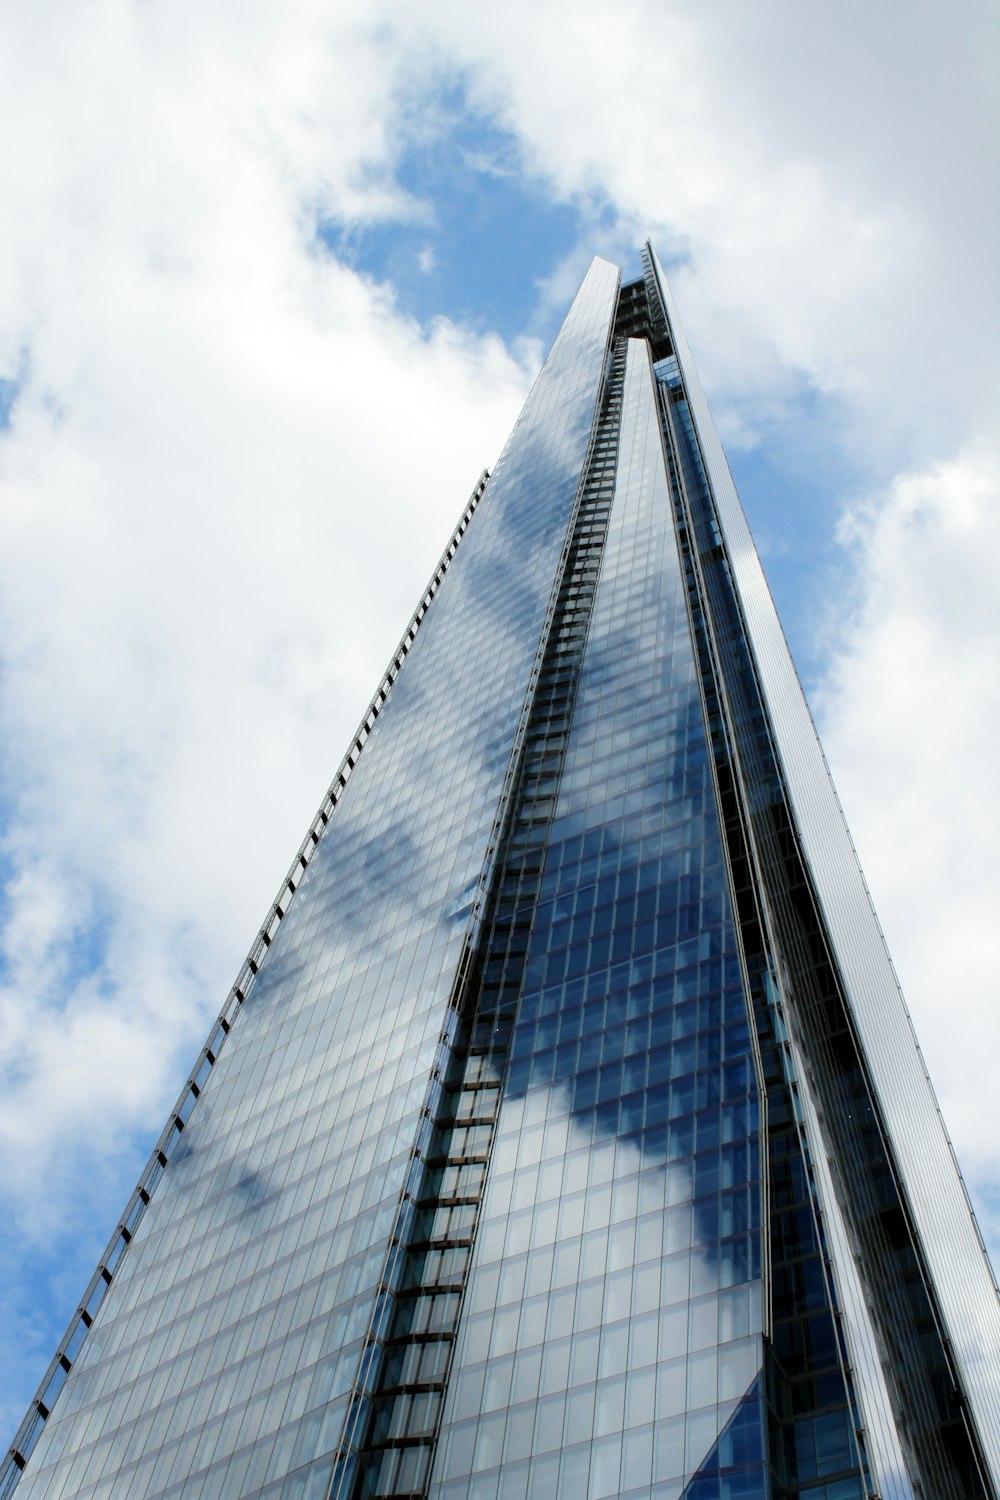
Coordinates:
<point>564,1134</point>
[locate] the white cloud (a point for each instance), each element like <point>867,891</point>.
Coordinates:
<point>224,485</point>
<point>822,168</point>
<point>199,577</point>
<point>224,478</point>
<point>909,717</point>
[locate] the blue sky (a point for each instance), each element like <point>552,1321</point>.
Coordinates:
<point>481,235</point>
<point>478,249</point>
<point>273,290</point>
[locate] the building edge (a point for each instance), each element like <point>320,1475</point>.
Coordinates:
<point>72,1341</point>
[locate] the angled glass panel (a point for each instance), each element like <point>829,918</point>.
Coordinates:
<point>223,1355</point>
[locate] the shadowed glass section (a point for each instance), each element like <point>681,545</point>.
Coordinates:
<point>729,1472</point>
<point>612,1318</point>
<point>221,1357</point>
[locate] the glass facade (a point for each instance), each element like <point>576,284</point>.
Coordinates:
<point>566,1135</point>
<point>614,1301</point>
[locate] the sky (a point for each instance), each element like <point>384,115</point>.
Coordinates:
<point>274,282</point>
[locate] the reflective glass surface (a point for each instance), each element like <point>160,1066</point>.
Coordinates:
<point>929,1193</point>
<point>222,1356</point>
<point>612,1321</point>
<point>398,1415</point>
